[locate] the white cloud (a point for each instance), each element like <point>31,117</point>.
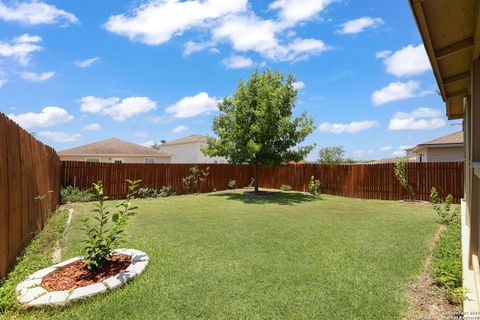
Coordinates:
<point>156,22</point>
<point>20,48</point>
<point>117,109</point>
<point>59,136</point>
<point>92,127</point>
<point>193,106</point>
<point>180,129</point>
<point>37,77</point>
<point>420,119</point>
<point>2,82</point>
<point>382,54</point>
<point>299,85</point>
<point>49,116</point>
<point>293,11</point>
<point>352,127</point>
<point>148,143</point>
<point>34,13</point>
<point>386,148</point>
<point>86,63</point>
<point>237,62</point>
<point>359,25</point>
<point>405,147</point>
<point>398,153</point>
<point>398,91</point>
<point>408,61</point>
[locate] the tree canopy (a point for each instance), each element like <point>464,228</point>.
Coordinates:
<point>256,124</point>
<point>333,155</point>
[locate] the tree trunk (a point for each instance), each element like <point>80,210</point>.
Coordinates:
<point>255,177</point>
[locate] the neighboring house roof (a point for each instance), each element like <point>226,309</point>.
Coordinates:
<point>452,140</point>
<point>194,138</point>
<point>114,146</point>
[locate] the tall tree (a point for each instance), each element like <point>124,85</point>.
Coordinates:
<point>256,124</point>
<point>332,155</point>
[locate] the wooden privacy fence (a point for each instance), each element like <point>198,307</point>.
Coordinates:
<point>29,188</point>
<point>369,181</point>
<point>113,176</point>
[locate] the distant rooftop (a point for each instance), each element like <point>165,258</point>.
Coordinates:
<point>194,138</point>
<point>113,146</point>
<point>454,138</point>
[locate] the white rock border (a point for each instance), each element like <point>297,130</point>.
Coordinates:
<point>30,293</point>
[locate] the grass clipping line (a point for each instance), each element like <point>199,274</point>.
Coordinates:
<point>37,255</point>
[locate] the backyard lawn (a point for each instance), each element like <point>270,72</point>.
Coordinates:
<point>288,256</point>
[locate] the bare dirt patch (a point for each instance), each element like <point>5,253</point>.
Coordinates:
<point>427,299</point>
<point>76,275</point>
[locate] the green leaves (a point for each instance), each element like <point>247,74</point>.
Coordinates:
<point>401,173</point>
<point>256,124</point>
<point>101,238</point>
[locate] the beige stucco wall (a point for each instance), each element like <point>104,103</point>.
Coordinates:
<point>441,154</point>
<point>110,159</point>
<point>190,153</point>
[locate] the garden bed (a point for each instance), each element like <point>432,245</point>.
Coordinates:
<point>69,280</point>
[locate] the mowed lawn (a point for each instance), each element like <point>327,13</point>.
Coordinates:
<point>289,256</point>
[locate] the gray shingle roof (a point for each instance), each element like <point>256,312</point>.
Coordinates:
<point>113,146</point>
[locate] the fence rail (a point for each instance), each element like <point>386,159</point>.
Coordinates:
<point>29,188</point>
<point>369,181</point>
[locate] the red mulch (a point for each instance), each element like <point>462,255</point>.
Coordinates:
<point>76,275</point>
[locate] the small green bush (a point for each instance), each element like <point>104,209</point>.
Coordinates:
<point>447,262</point>
<point>102,236</point>
<point>286,187</point>
<point>444,209</point>
<point>195,180</point>
<point>232,184</point>
<point>165,191</point>
<point>314,186</point>
<point>70,194</point>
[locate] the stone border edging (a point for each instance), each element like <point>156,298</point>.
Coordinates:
<point>30,293</point>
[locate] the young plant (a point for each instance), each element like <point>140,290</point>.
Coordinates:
<point>232,184</point>
<point>107,232</point>
<point>444,210</point>
<point>401,173</point>
<point>286,187</point>
<point>314,186</point>
<point>195,180</point>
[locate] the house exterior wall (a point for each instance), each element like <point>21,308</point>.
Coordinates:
<point>110,159</point>
<point>440,154</point>
<point>190,153</point>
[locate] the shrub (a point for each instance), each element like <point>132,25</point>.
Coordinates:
<point>444,210</point>
<point>447,262</point>
<point>195,180</point>
<point>165,191</point>
<point>102,237</point>
<point>147,193</point>
<point>286,187</point>
<point>232,184</point>
<point>71,194</point>
<point>401,173</point>
<point>314,186</point>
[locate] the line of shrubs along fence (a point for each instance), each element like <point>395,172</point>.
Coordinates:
<point>368,181</point>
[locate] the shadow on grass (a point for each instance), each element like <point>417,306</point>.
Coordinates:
<point>282,198</point>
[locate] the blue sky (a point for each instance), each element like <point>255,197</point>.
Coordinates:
<point>76,72</point>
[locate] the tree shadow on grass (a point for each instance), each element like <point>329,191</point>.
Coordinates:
<point>282,198</point>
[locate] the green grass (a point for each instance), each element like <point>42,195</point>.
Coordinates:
<point>37,255</point>
<point>289,256</point>
<point>447,262</point>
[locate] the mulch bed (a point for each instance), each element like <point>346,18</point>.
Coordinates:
<point>76,275</point>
